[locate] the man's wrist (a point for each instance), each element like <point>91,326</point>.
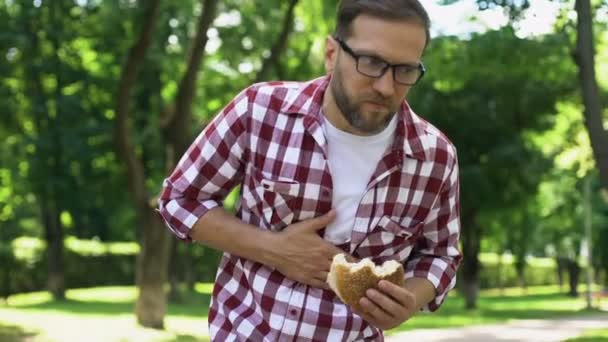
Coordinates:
<point>267,245</point>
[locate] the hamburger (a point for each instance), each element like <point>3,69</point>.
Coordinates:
<point>350,281</point>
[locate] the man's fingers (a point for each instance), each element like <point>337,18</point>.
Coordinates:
<point>373,310</point>
<point>398,293</point>
<point>388,304</point>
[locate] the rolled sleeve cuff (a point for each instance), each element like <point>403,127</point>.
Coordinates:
<point>181,215</point>
<point>441,272</point>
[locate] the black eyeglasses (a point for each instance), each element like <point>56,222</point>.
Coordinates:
<point>371,66</point>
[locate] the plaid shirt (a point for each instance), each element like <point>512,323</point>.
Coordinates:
<point>269,140</point>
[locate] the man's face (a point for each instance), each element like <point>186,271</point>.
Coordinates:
<point>367,103</point>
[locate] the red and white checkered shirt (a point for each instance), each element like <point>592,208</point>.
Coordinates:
<point>269,139</point>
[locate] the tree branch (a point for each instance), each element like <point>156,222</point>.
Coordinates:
<point>584,58</point>
<point>178,129</point>
<point>122,139</point>
<point>279,45</point>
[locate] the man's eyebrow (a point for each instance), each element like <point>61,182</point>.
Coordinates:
<point>369,53</point>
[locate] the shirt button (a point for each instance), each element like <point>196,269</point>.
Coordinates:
<point>293,312</point>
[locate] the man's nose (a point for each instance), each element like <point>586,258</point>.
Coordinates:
<point>385,84</point>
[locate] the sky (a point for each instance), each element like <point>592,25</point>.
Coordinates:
<point>453,19</point>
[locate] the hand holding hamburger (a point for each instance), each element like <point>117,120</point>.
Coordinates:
<point>376,293</point>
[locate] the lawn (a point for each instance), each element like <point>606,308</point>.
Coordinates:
<point>105,314</point>
<point>592,336</point>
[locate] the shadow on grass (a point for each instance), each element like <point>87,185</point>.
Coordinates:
<point>195,304</point>
<point>187,338</point>
<point>12,333</point>
<point>526,297</point>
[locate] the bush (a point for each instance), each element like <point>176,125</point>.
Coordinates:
<point>493,274</point>
<point>86,263</point>
<point>538,271</point>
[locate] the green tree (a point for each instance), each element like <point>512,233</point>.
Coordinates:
<point>47,75</point>
<point>486,94</point>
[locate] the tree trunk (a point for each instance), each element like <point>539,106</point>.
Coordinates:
<point>500,269</point>
<point>178,128</point>
<point>54,250</point>
<point>190,277</point>
<point>174,296</point>
<point>471,240</point>
<point>47,156</point>
<point>574,271</point>
<point>151,263</point>
<point>52,221</point>
<point>520,268</point>
<point>584,57</point>
<point>559,261</point>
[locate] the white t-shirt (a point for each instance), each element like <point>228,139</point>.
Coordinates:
<point>352,161</point>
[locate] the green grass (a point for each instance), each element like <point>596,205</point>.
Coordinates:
<point>106,314</point>
<point>592,336</point>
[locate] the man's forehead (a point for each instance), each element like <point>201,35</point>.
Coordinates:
<point>396,41</point>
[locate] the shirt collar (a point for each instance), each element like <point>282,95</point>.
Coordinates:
<point>307,99</point>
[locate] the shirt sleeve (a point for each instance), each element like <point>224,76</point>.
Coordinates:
<point>436,255</point>
<point>208,170</point>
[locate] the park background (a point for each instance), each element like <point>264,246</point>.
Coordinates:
<point>99,98</point>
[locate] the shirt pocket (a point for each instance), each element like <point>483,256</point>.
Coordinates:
<point>388,240</point>
<point>272,200</point>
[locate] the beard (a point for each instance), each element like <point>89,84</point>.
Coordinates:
<point>370,122</point>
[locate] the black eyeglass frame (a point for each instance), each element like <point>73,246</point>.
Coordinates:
<point>387,65</point>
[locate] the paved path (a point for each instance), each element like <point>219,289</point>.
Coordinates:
<point>550,330</point>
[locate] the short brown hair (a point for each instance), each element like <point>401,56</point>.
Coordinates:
<point>348,10</point>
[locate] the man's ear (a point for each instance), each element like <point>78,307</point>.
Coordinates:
<point>331,54</point>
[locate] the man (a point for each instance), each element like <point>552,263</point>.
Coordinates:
<point>340,164</point>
